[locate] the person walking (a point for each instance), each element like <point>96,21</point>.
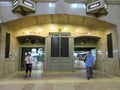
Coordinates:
<point>89,61</point>
<point>28,64</point>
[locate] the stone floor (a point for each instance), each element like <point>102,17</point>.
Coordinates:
<point>60,81</point>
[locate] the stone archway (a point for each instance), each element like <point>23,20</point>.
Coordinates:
<point>90,27</point>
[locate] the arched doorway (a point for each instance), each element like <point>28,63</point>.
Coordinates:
<point>82,44</point>
<point>41,25</point>
<point>35,45</point>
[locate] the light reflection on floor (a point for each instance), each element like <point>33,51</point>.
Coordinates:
<point>79,64</point>
<point>60,81</point>
<point>76,80</point>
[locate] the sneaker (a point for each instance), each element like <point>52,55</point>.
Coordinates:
<point>29,75</point>
<point>25,76</point>
<point>88,78</point>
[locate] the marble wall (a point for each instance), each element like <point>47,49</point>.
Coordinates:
<point>109,65</point>
<point>8,65</point>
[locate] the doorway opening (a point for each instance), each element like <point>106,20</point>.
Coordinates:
<point>81,52</point>
<point>38,55</point>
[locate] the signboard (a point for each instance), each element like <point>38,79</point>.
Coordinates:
<point>23,6</point>
<point>97,8</point>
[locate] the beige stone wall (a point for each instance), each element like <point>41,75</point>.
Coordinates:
<point>11,64</point>
<point>43,30</point>
<point>105,64</point>
<point>8,65</point>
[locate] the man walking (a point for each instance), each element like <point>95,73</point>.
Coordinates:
<point>89,61</point>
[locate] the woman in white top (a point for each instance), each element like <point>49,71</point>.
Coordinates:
<point>28,63</point>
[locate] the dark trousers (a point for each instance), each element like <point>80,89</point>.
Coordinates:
<point>28,68</point>
<point>89,72</point>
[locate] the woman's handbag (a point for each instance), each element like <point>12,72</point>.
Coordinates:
<point>30,65</point>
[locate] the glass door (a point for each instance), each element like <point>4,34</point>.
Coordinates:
<point>80,53</point>
<point>38,55</point>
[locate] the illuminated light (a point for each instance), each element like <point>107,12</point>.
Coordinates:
<point>15,3</point>
<point>27,32</point>
<point>94,5</point>
<point>51,5</point>
<point>78,5</point>
<point>77,30</point>
<point>65,29</point>
<point>27,3</point>
<point>40,30</point>
<point>74,5</point>
<point>88,33</point>
<point>99,52</point>
<point>34,50</point>
<point>53,28</point>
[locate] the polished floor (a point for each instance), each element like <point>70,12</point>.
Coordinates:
<point>76,80</point>
<point>59,81</point>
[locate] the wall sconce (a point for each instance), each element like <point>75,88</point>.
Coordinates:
<point>23,7</point>
<point>97,8</point>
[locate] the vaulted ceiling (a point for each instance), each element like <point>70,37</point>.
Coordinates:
<point>89,22</point>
